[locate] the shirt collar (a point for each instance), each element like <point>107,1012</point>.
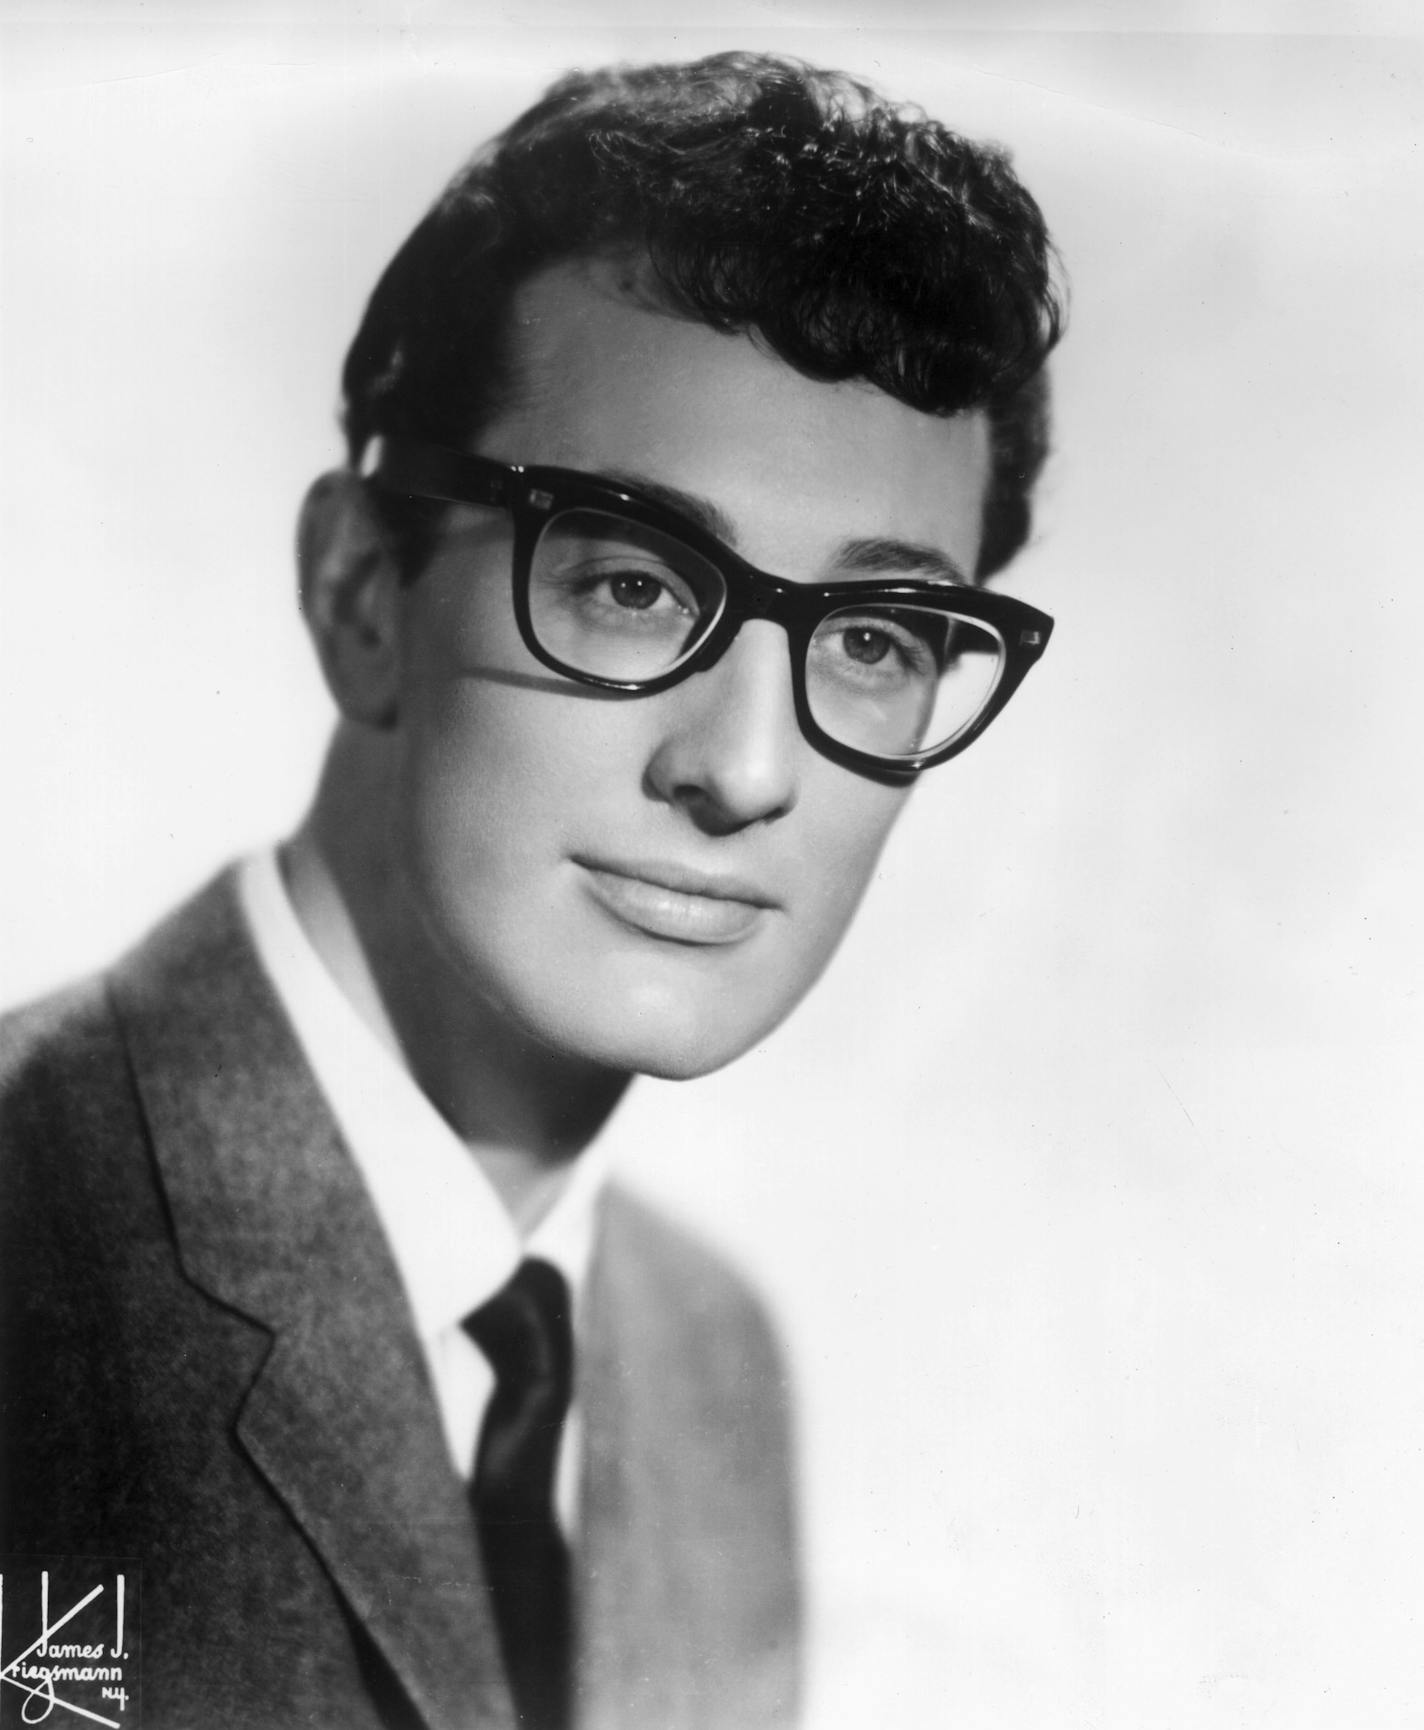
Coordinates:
<point>452,1238</point>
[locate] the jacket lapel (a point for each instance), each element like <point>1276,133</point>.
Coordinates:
<point>687,1580</point>
<point>271,1218</point>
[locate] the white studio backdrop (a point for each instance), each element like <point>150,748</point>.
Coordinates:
<point>1087,1183</point>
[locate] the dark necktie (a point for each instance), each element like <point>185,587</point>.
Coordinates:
<point>524,1332</point>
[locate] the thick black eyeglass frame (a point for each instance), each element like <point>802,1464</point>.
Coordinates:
<point>533,496</point>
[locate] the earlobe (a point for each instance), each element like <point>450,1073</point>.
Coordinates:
<point>350,598</point>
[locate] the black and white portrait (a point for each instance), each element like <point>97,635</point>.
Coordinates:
<point>596,1129</point>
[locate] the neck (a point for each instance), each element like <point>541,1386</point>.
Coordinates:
<point>525,1111</point>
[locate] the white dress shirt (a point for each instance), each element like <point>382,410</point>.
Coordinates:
<point>452,1239</point>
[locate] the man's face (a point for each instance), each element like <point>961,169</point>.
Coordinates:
<point>653,882</point>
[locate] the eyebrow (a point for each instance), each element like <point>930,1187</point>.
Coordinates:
<point>708,517</point>
<point>878,555</point>
<point>899,558</point>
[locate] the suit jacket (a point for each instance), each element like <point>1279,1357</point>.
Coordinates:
<point>210,1366</point>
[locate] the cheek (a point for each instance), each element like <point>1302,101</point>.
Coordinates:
<point>501,778</point>
<point>845,832</point>
<point>481,785</point>
<point>837,844</point>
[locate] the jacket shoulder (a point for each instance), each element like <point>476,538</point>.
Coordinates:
<point>60,1027</point>
<point>63,1078</point>
<point>66,1080</point>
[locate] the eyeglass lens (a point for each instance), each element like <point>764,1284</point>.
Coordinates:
<point>624,601</point>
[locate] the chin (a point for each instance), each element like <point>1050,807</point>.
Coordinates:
<point>671,1036</point>
<point>666,1052</point>
<point>669,1063</point>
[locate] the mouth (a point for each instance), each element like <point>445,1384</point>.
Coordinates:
<point>676,904</point>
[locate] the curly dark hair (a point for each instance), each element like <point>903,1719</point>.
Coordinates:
<point>858,239</point>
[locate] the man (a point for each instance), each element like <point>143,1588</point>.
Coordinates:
<point>681,432</point>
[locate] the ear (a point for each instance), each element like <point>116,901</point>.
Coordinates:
<point>350,597</point>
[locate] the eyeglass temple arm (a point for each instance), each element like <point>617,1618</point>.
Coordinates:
<point>433,472</point>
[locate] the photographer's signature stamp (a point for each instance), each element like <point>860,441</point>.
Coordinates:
<point>69,1642</point>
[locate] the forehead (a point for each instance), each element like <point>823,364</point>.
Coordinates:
<point>608,382</point>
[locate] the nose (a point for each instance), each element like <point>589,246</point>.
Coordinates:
<point>729,749</point>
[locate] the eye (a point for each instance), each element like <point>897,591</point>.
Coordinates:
<point>878,645</point>
<point>617,597</point>
<point>866,646</point>
<point>637,591</point>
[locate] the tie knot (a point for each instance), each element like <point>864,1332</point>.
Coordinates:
<point>525,1333</point>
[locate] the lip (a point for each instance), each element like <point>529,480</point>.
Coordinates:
<point>675,902</point>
